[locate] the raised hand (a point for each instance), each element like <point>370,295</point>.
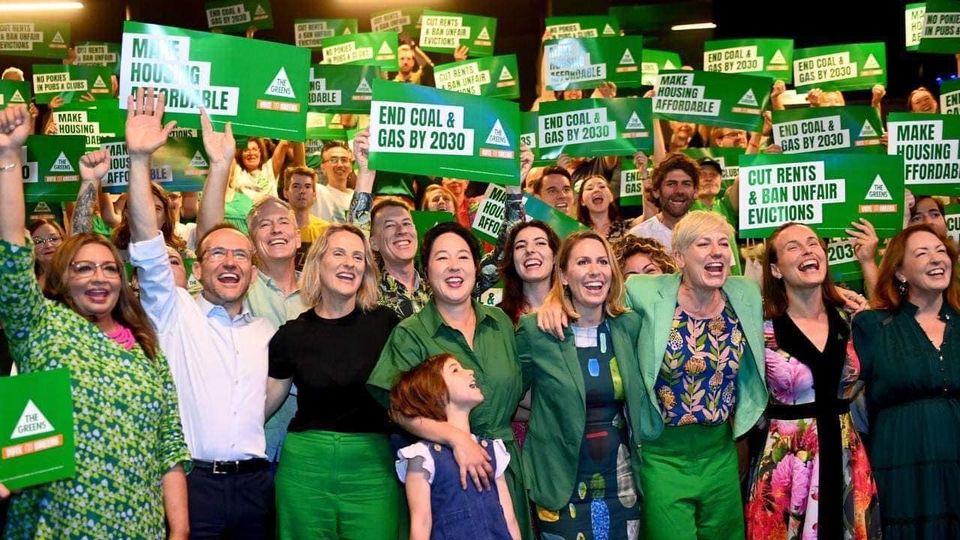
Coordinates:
<point>15,124</point>
<point>94,165</point>
<point>221,147</point>
<point>361,149</point>
<point>145,130</point>
<point>526,160</point>
<point>460,54</point>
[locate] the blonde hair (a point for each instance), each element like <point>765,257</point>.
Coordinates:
<point>696,224</point>
<point>614,305</point>
<point>254,214</point>
<point>310,280</point>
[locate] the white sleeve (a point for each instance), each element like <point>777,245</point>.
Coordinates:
<point>503,457</point>
<point>415,451</point>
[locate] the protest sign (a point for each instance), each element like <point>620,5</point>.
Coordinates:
<point>770,57</point>
<point>492,76</point>
<point>310,33</point>
<point>595,127</point>
<point>44,210</point>
<point>424,220</point>
<point>421,130</point>
<point>840,67</point>
<point>631,187</point>
<point>235,16</point>
<point>51,168</point>
<point>36,39</point>
<point>821,129</point>
<point>445,32</point>
<point>582,26</point>
<point>717,99</point>
<point>488,220</point>
<point>178,165</point>
<point>930,146</point>
<point>951,214</point>
<point>266,97</point>
<point>528,136</point>
<point>561,223</point>
<point>826,192</point>
<point>71,82</point>
<point>94,120</point>
<point>574,63</point>
<point>368,49</point>
<point>941,27</point>
<point>728,158</point>
<point>401,20</point>
<point>14,93</point>
<point>914,15</point>
<point>842,260</point>
<point>324,127</point>
<point>98,54</point>
<point>36,429</point>
<point>341,88</point>
<point>950,97</point>
<point>655,61</point>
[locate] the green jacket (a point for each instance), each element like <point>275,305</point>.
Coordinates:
<point>654,298</point>
<point>558,410</point>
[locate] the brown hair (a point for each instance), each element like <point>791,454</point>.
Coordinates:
<point>775,300</point>
<point>671,163</point>
<point>310,283</point>
<point>302,171</point>
<point>421,392</point>
<point>537,185</point>
<point>583,213</point>
<point>887,296</point>
<point>261,144</point>
<point>127,310</point>
<point>614,305</point>
<point>631,245</point>
<point>121,235</point>
<point>33,227</point>
<point>436,187</point>
<point>513,303</point>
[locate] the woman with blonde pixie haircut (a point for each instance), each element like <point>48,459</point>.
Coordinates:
<point>585,389</point>
<point>330,481</point>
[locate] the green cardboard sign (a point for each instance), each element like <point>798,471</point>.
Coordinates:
<point>36,39</point>
<point>717,99</point>
<point>842,260</point>
<point>914,15</point>
<point>36,429</point>
<point>574,63</point>
<point>561,223</point>
<point>528,136</point>
<point>310,33</point>
<point>595,127</point>
<point>424,220</point>
<point>840,67</point>
<point>51,168</point>
<point>930,146</point>
<point>266,97</point>
<point>94,120</point>
<point>402,21</point>
<point>343,88</point>
<point>826,192</point>
<point>14,93</point>
<point>98,53</point>
<point>728,158</point>
<point>71,82</point>
<point>178,165</point>
<point>488,220</point>
<point>631,187</point>
<point>491,76</point>
<point>324,127</point>
<point>941,27</point>
<point>655,61</point>
<point>369,49</point>
<point>235,16</point>
<point>445,32</point>
<point>822,129</point>
<point>420,130</point>
<point>583,26</point>
<point>951,214</point>
<point>950,97</point>
<point>770,57</point>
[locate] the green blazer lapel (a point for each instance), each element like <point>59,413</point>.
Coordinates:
<point>568,350</point>
<point>623,349</point>
<point>664,306</point>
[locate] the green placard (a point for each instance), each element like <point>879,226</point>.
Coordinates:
<point>587,62</point>
<point>840,67</point>
<point>35,39</point>
<point>717,99</point>
<point>941,27</point>
<point>341,88</point>
<point>821,129</point>
<point>528,136</point>
<point>266,97</point>
<point>951,214</point>
<point>369,49</point>
<point>728,158</point>
<point>930,146</point>
<point>36,429</point>
<point>444,32</point>
<point>324,127</point>
<point>492,76</point>
<point>488,219</point>
<point>420,130</point>
<point>44,210</point>
<point>71,82</point>
<point>826,192</point>
<point>655,61</point>
<point>98,53</point>
<point>178,165</point>
<point>14,93</point>
<point>595,127</point>
<point>235,16</point>
<point>842,260</point>
<point>583,26</point>
<point>950,97</point>
<point>95,121</point>
<point>424,220</point>
<point>914,15</point>
<point>310,33</point>
<point>403,20</point>
<point>631,188</point>
<point>51,170</point>
<point>770,57</point>
<point>561,223</point>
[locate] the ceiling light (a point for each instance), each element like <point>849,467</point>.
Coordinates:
<point>38,6</point>
<point>694,26</point>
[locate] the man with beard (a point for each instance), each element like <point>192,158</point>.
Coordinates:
<point>333,198</point>
<point>674,188</point>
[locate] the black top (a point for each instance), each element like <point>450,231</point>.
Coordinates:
<point>330,361</point>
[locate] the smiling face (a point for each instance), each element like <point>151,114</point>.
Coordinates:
<point>251,156</point>
<point>595,195</point>
<point>922,101</point>
<point>926,264</point>
<point>705,264</point>
<point>275,233</point>
<point>178,268</point>
<point>555,190</point>
<point>676,193</point>
<point>801,261</point>
<point>451,270</point>
<point>50,240</point>
<point>709,181</point>
<point>225,266</point>
<point>394,236</point>
<point>94,279</point>
<point>588,275</point>
<point>462,389</point>
<point>440,201</point>
<point>532,256</point>
<point>342,267</point>
<point>337,165</point>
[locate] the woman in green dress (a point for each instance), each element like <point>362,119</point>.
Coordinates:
<point>482,339</point>
<point>909,349</point>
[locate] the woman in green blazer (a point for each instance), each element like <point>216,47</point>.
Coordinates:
<point>587,401</point>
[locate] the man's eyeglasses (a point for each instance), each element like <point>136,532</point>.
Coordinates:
<point>52,239</point>
<point>86,269</point>
<point>336,160</point>
<point>218,254</point>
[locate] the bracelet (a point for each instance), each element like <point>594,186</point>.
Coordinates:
<point>8,166</point>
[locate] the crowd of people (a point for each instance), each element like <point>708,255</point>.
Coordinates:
<point>291,357</point>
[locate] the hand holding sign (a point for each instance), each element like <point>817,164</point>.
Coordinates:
<point>144,130</point>
<point>14,128</point>
<point>220,147</point>
<point>94,166</point>
<point>865,240</point>
<point>361,150</point>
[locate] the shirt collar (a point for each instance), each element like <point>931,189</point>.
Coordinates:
<point>212,310</point>
<point>270,284</point>
<point>432,319</point>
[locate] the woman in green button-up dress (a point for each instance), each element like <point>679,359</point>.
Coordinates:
<point>482,339</point>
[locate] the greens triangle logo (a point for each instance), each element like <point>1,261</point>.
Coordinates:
<point>668,65</point>
<point>259,12</point>
<point>385,49</point>
<point>483,34</point>
<point>32,422</point>
<point>748,99</point>
<point>281,86</point>
<point>99,82</point>
<point>346,31</point>
<point>505,74</point>
<point>62,164</point>
<point>878,191</point>
<point>608,30</point>
<point>778,58</point>
<point>42,207</point>
<point>198,161</point>
<point>867,130</point>
<point>627,57</point>
<point>497,135</point>
<point>871,63</point>
<point>363,87</point>
<point>57,38</point>
<point>634,122</point>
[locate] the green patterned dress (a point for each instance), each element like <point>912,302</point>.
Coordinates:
<point>126,420</point>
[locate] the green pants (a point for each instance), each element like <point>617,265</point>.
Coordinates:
<point>691,485</point>
<point>338,485</point>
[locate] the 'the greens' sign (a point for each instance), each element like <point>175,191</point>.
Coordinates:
<point>70,82</point>
<point>369,49</point>
<point>950,97</point>
<point>36,39</point>
<point>840,67</point>
<point>493,76</point>
<point>769,57</point>
<point>587,62</point>
<point>445,32</point>
<point>823,129</point>
<point>595,127</point>
<point>655,61</point>
<point>51,168</point>
<point>341,88</point>
<point>941,27</point>
<point>716,99</point>
<point>310,33</point>
<point>582,26</point>
<point>930,146</point>
<point>235,16</point>
<point>14,93</point>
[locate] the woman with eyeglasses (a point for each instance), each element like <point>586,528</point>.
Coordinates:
<point>47,235</point>
<point>130,449</point>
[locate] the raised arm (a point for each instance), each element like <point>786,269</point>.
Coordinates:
<point>14,128</point>
<point>360,205</point>
<point>93,167</point>
<point>145,134</point>
<point>279,155</point>
<point>220,147</point>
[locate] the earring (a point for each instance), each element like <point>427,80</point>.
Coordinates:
<point>902,287</point>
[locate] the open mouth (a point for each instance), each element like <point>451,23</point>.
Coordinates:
<point>454,282</point>
<point>229,278</point>
<point>594,287</point>
<point>532,263</point>
<point>277,242</point>
<point>402,243</point>
<point>937,272</point>
<point>97,295</point>
<point>562,206</point>
<point>598,199</point>
<point>714,268</point>
<point>349,277</point>
<point>809,265</point>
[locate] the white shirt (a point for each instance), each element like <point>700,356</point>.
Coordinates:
<point>332,204</point>
<point>654,228</point>
<point>219,364</point>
